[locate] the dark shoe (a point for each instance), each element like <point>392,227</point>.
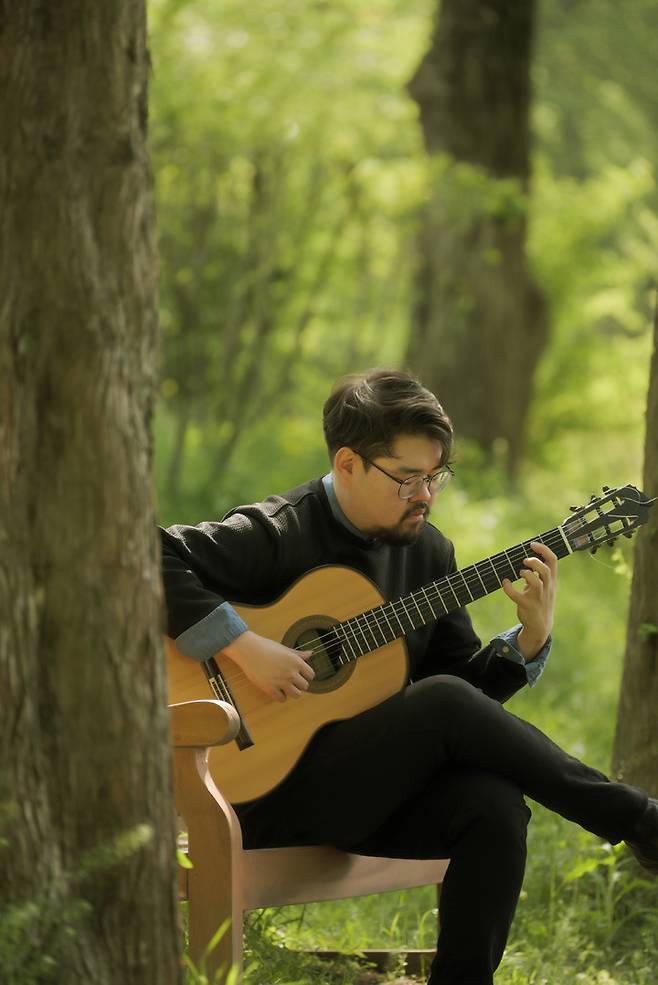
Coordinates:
<point>644,840</point>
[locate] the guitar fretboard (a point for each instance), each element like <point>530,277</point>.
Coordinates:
<point>392,620</point>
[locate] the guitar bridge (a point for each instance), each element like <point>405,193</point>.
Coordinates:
<point>222,692</point>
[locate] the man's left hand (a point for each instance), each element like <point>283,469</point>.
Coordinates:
<point>536,601</point>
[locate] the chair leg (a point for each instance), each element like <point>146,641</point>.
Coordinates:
<point>214,884</point>
<point>215,899</point>
<point>210,910</point>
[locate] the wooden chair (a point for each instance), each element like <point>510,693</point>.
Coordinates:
<point>226,880</point>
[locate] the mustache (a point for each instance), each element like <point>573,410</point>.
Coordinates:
<point>417,510</point>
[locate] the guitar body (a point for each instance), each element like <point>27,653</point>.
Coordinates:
<point>277,732</point>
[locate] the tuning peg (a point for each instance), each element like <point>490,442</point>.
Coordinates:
<point>574,509</point>
<point>593,497</point>
<point>594,550</point>
<point>606,488</point>
<point>629,534</point>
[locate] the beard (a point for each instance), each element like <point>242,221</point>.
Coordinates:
<point>398,536</point>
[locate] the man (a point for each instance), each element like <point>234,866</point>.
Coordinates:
<point>440,768</point>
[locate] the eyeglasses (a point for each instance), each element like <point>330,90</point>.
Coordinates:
<point>414,484</point>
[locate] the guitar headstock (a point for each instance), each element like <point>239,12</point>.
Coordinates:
<point>604,518</point>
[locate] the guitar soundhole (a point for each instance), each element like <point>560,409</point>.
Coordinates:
<point>331,664</point>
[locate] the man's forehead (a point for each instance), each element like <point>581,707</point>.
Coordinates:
<point>413,455</point>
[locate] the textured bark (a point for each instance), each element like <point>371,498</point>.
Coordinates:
<point>480,322</point>
<point>635,754</point>
<point>87,888</point>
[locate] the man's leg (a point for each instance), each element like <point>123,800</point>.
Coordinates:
<point>354,774</point>
<point>479,821</point>
<point>439,769</point>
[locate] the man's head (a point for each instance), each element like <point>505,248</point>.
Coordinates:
<point>383,428</point>
<point>369,411</point>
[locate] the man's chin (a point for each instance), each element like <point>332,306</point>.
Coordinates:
<point>404,534</point>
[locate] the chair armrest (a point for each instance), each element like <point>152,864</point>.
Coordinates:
<point>198,724</point>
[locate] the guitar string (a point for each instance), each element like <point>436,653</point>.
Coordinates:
<point>351,635</point>
<point>433,589</point>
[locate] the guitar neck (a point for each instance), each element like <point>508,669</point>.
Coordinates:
<point>392,620</point>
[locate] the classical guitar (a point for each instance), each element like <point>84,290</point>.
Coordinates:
<point>357,639</point>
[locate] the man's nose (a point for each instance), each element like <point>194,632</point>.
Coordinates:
<point>424,493</point>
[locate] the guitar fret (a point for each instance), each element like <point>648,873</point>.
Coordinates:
<point>490,560</point>
<point>393,634</point>
<point>411,622</point>
<point>484,589</point>
<point>466,585</point>
<point>341,655</point>
<point>354,627</point>
<point>443,601</point>
<point>413,599</point>
<point>373,612</point>
<point>393,612</point>
<point>453,591</point>
<point>346,639</point>
<point>512,566</point>
<point>429,603</point>
<point>363,629</point>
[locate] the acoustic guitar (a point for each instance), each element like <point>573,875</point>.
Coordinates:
<point>357,638</point>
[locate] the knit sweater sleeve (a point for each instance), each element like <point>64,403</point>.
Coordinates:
<point>454,648</point>
<point>203,566</point>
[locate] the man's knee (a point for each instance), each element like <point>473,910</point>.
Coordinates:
<point>442,694</point>
<point>490,801</point>
<point>497,805</point>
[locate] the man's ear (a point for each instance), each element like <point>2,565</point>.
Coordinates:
<point>344,460</point>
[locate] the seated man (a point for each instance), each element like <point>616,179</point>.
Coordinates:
<point>438,769</point>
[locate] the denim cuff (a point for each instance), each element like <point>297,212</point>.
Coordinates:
<point>506,646</point>
<point>212,633</point>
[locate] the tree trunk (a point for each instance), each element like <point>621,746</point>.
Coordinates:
<point>87,889</point>
<point>635,753</point>
<point>479,323</point>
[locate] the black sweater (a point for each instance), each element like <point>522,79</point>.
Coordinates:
<point>256,552</point>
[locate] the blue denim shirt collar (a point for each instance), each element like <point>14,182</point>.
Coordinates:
<point>328,483</point>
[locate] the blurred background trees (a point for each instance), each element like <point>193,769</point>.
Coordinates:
<point>635,750</point>
<point>293,185</point>
<point>480,321</point>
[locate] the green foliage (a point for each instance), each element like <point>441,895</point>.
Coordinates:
<point>290,174</point>
<point>594,92</point>
<point>286,212</point>
<point>594,244</point>
<point>267,954</point>
<point>467,189</point>
<point>35,930</point>
<point>648,631</point>
<point>38,928</point>
<point>34,937</point>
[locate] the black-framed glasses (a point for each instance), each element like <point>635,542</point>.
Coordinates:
<point>414,484</point>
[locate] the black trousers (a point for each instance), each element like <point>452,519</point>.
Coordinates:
<point>439,770</point>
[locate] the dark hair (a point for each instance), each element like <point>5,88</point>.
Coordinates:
<point>367,411</point>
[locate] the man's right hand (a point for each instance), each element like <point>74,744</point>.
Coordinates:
<point>276,669</point>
